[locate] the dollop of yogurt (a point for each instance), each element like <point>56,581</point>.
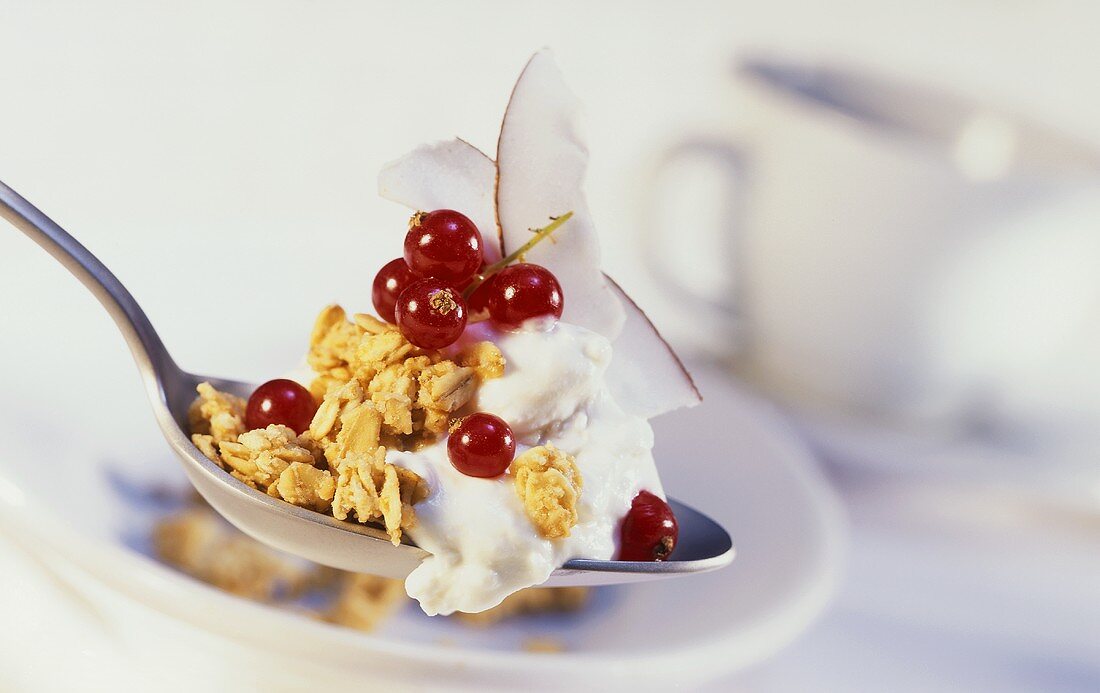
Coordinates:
<point>483,547</point>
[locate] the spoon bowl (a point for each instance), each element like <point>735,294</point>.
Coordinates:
<point>703,545</point>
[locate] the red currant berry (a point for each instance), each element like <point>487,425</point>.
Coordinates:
<point>649,530</point>
<point>481,445</point>
<point>431,314</point>
<point>444,245</point>
<point>390,281</point>
<point>521,292</point>
<point>283,402</point>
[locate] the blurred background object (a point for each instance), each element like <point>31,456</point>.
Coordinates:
<point>930,288</point>
<point>890,208</point>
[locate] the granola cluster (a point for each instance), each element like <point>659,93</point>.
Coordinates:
<point>549,484</point>
<point>533,600</point>
<point>376,392</point>
<point>416,391</point>
<point>215,417</point>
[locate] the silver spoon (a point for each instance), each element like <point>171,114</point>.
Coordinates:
<point>703,544</point>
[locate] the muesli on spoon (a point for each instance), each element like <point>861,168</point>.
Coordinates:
<point>495,409</point>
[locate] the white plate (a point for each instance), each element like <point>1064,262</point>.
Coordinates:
<point>731,457</point>
<point>74,417</point>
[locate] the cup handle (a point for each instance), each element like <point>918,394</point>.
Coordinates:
<point>722,310</point>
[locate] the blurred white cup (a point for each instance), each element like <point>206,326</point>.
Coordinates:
<point>892,255</point>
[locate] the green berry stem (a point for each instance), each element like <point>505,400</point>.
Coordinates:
<point>540,234</point>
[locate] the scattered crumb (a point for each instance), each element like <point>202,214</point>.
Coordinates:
<point>200,543</point>
<point>544,644</point>
<point>533,600</point>
<point>365,601</point>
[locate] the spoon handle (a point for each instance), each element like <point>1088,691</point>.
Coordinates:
<point>152,358</point>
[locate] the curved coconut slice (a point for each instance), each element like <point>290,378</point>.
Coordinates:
<point>453,174</point>
<point>646,376</point>
<point>541,163</point>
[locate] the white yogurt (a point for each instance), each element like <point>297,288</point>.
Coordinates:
<point>483,546</point>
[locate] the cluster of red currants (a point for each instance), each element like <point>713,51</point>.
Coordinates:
<point>431,292</point>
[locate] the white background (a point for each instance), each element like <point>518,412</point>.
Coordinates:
<point>175,123</point>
